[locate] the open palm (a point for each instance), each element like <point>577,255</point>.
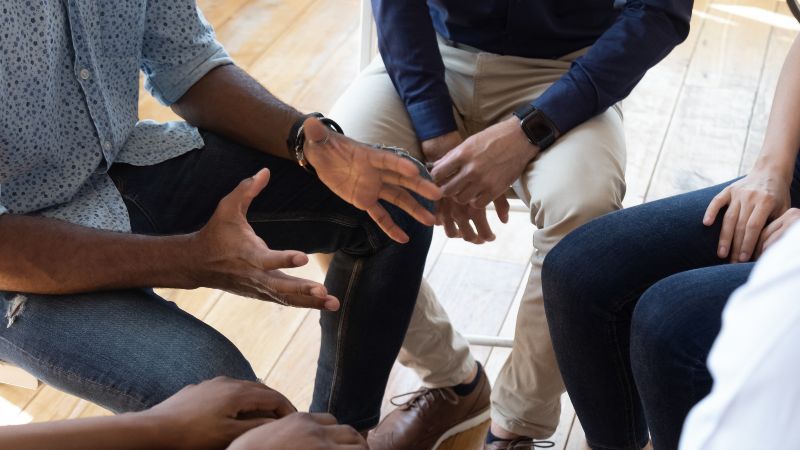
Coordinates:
<point>363,175</point>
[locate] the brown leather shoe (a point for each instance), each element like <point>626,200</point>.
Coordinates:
<point>522,443</point>
<point>430,416</point>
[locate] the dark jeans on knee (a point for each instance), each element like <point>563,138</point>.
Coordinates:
<point>128,350</point>
<point>634,302</point>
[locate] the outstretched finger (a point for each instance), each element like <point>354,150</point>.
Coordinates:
<point>728,227</point>
<point>403,200</point>
<point>758,219</point>
<point>391,161</point>
<point>745,210</point>
<point>283,259</point>
<point>248,189</point>
<point>717,203</point>
<point>502,208</point>
<point>482,224</point>
<point>292,291</point>
<point>415,183</point>
<point>381,217</point>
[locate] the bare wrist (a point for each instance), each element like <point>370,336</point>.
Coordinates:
<point>773,168</point>
<point>188,254</point>
<point>149,430</point>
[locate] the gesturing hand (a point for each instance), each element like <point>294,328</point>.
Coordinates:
<point>751,201</point>
<point>301,431</point>
<point>209,415</point>
<point>363,175</point>
<point>228,255</point>
<point>456,220</point>
<point>483,167</point>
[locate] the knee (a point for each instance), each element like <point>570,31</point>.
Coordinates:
<point>573,272</point>
<point>169,372</point>
<point>563,209</point>
<point>661,324</point>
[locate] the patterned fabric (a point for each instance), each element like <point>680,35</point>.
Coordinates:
<point>69,91</point>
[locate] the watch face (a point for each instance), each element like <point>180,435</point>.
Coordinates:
<point>536,128</point>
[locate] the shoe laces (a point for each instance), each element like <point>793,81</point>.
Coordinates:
<point>424,397</point>
<point>526,442</point>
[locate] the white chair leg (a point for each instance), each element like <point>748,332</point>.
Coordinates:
<point>367,31</point>
<point>489,341</point>
<point>15,376</point>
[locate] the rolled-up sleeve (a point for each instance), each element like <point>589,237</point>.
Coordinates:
<point>408,45</point>
<point>178,49</point>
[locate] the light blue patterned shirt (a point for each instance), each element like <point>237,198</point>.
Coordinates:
<point>69,91</point>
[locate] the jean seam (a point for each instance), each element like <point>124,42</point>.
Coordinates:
<point>141,210</point>
<point>303,218</point>
<point>72,375</point>
<point>626,383</point>
<point>341,326</point>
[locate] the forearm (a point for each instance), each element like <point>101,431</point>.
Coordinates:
<point>123,432</point>
<point>230,102</point>
<point>408,45</point>
<point>47,256</point>
<point>645,32</point>
<point>782,139</point>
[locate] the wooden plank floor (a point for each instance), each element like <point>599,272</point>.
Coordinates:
<point>696,119</point>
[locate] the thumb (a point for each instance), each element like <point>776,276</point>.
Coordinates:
<point>315,131</point>
<point>249,188</point>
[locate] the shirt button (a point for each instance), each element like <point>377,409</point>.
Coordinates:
<point>106,145</point>
<point>85,74</point>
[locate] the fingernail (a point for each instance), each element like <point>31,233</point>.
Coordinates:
<point>721,251</point>
<point>318,291</point>
<point>743,257</point>
<point>332,305</point>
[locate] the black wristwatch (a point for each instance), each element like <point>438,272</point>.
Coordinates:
<point>297,138</point>
<point>540,131</point>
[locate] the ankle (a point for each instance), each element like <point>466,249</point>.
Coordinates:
<point>468,387</point>
<point>500,433</point>
<point>472,374</point>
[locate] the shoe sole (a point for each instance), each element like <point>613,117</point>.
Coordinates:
<point>472,422</point>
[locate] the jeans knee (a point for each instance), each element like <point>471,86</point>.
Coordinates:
<point>567,274</point>
<point>656,326</point>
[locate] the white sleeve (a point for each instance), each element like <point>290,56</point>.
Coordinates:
<point>755,361</point>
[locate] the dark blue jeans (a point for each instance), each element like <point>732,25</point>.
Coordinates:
<point>128,350</point>
<point>634,302</point>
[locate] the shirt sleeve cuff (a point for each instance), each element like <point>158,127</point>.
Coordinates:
<point>432,118</point>
<point>570,101</point>
<point>168,87</point>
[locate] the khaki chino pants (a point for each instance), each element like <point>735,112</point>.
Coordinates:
<point>577,179</point>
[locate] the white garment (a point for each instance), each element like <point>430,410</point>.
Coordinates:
<point>755,362</point>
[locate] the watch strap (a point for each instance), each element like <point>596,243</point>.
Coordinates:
<point>296,140</point>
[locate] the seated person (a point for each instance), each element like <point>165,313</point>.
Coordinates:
<point>754,401</point>
<point>634,299</point>
<point>96,208</point>
<point>210,415</point>
<point>454,81</point>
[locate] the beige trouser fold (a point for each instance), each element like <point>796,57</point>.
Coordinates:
<point>577,179</point>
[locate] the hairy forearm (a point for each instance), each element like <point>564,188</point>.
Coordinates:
<point>46,256</point>
<point>782,139</point>
<point>230,102</point>
<point>127,431</point>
